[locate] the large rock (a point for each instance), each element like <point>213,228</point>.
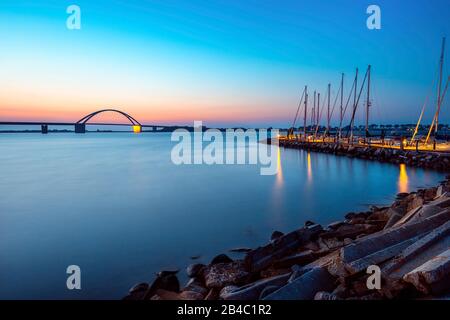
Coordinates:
<point>221,258</point>
<point>195,269</point>
<point>426,211</point>
<point>166,281</point>
<point>220,275</point>
<point>433,277</point>
<point>382,246</point>
<point>253,290</point>
<point>306,286</point>
<point>263,257</point>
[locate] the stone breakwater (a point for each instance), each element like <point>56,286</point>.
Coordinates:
<point>431,160</point>
<point>408,241</point>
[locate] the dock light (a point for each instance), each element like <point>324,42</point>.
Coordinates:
<point>137,129</point>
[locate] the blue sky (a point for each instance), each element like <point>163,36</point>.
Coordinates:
<point>223,62</point>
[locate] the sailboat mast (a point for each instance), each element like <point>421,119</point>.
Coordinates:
<point>318,109</point>
<point>306,111</point>
<point>441,65</point>
<point>368,100</point>
<point>342,105</point>
<point>313,113</point>
<point>354,104</point>
<point>328,110</point>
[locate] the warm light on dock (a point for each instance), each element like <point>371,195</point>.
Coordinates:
<point>137,129</point>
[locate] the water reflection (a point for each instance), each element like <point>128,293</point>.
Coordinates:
<point>403,179</point>
<point>309,170</point>
<point>279,178</point>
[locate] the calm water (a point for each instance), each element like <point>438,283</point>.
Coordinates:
<point>115,205</point>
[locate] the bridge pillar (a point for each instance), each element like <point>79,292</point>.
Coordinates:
<point>80,128</point>
<point>44,128</point>
<point>137,129</point>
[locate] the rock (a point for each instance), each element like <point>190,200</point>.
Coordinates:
<point>417,201</point>
<point>195,269</point>
<point>301,258</point>
<point>429,194</point>
<point>276,234</point>
<point>263,257</point>
<point>394,216</point>
<point>221,258</point>
<point>166,281</point>
<point>253,291</point>
<point>226,291</point>
<point>433,276</point>
<point>240,250</point>
<point>305,287</point>
<point>347,241</point>
<point>348,231</point>
<point>333,243</point>
<point>357,221</point>
<point>143,286</point>
<point>335,225</point>
<point>322,295</point>
<point>379,215</point>
<point>407,217</point>
<point>162,294</point>
<point>402,195</point>
<point>426,211</point>
<point>386,240</point>
<point>309,223</point>
<point>213,294</point>
<point>377,257</point>
<point>220,275</point>
<point>267,290</point>
<point>272,272</point>
<point>190,295</point>
<point>137,292</point>
<point>418,252</point>
<point>196,286</point>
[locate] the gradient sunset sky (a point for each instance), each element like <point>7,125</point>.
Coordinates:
<point>224,62</point>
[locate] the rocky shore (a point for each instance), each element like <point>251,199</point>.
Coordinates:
<point>430,160</point>
<point>408,241</point>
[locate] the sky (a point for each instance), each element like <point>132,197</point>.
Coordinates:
<point>226,63</point>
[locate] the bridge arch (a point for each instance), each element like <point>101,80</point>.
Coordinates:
<point>88,117</point>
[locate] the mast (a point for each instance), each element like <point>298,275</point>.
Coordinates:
<point>313,113</point>
<point>441,65</point>
<point>342,104</point>
<point>306,111</point>
<point>318,109</point>
<point>354,104</point>
<point>368,100</point>
<point>328,110</point>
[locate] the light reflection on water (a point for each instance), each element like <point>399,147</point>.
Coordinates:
<point>115,205</point>
<point>403,179</point>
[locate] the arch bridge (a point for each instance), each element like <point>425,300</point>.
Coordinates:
<point>80,125</point>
